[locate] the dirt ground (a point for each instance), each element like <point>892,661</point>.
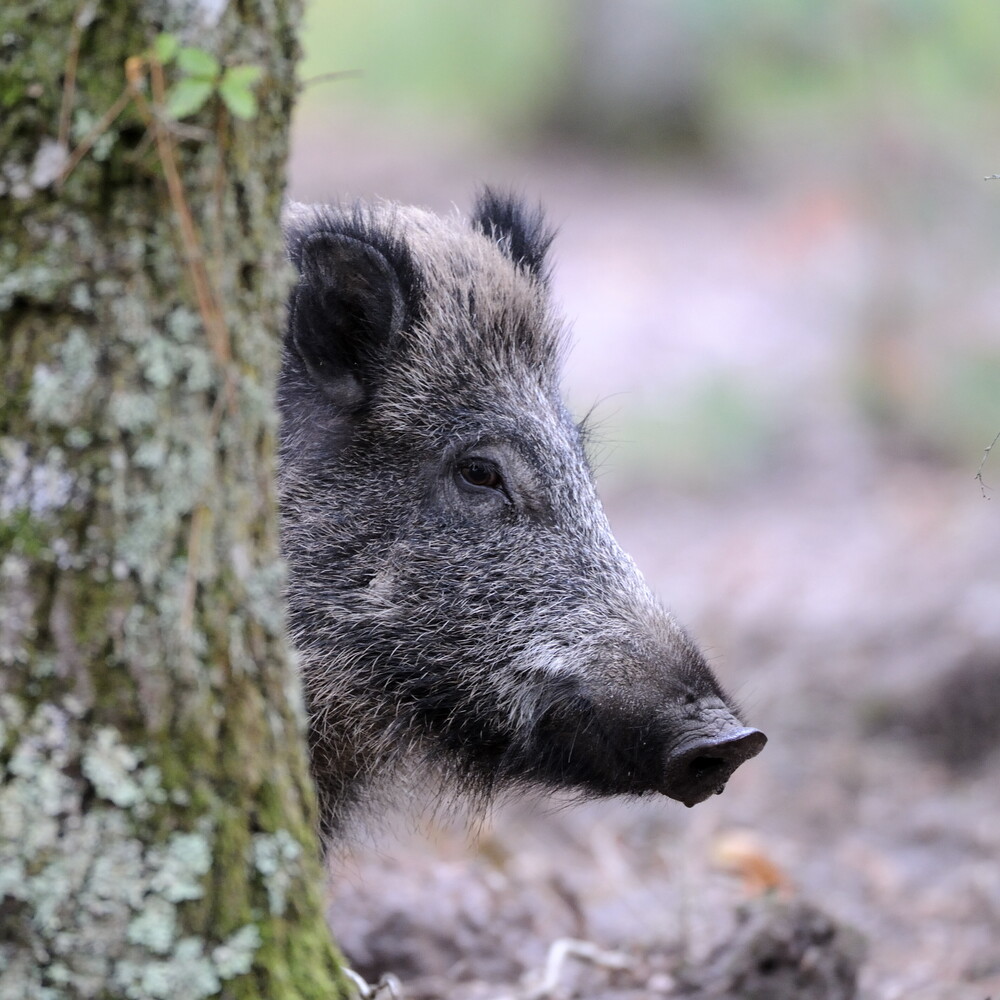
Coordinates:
<point>847,590</point>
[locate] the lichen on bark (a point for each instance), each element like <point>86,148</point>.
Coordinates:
<point>155,811</point>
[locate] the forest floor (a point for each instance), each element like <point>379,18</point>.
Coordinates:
<point>846,587</point>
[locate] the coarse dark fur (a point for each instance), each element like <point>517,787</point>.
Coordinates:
<point>456,597</point>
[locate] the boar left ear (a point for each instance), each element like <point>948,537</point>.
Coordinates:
<point>521,233</point>
<point>344,316</point>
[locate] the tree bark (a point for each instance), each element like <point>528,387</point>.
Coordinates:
<point>156,816</point>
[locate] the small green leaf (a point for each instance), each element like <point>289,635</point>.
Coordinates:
<point>165,47</point>
<point>243,76</point>
<point>188,96</point>
<point>198,63</point>
<point>240,101</point>
<point>236,89</point>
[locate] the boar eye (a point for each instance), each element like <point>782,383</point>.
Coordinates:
<point>481,474</point>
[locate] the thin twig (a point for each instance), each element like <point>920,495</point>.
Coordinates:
<point>566,948</point>
<point>87,143</point>
<point>979,474</point>
<point>205,292</point>
<point>342,74</point>
<point>217,331</point>
<point>388,983</point>
<point>208,304</point>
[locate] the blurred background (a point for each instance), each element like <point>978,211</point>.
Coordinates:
<point>780,261</point>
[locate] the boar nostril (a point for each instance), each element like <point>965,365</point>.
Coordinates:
<point>701,767</point>
<point>696,770</point>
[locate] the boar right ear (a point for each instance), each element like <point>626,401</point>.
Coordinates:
<point>344,315</point>
<point>521,233</point>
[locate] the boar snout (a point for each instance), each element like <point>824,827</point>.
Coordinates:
<point>701,767</point>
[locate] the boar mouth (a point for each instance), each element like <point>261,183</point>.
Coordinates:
<point>574,743</point>
<point>701,767</point>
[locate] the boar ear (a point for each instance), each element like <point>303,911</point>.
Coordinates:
<point>345,314</point>
<point>521,233</point>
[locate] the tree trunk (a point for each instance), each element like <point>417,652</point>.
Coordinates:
<point>156,816</point>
